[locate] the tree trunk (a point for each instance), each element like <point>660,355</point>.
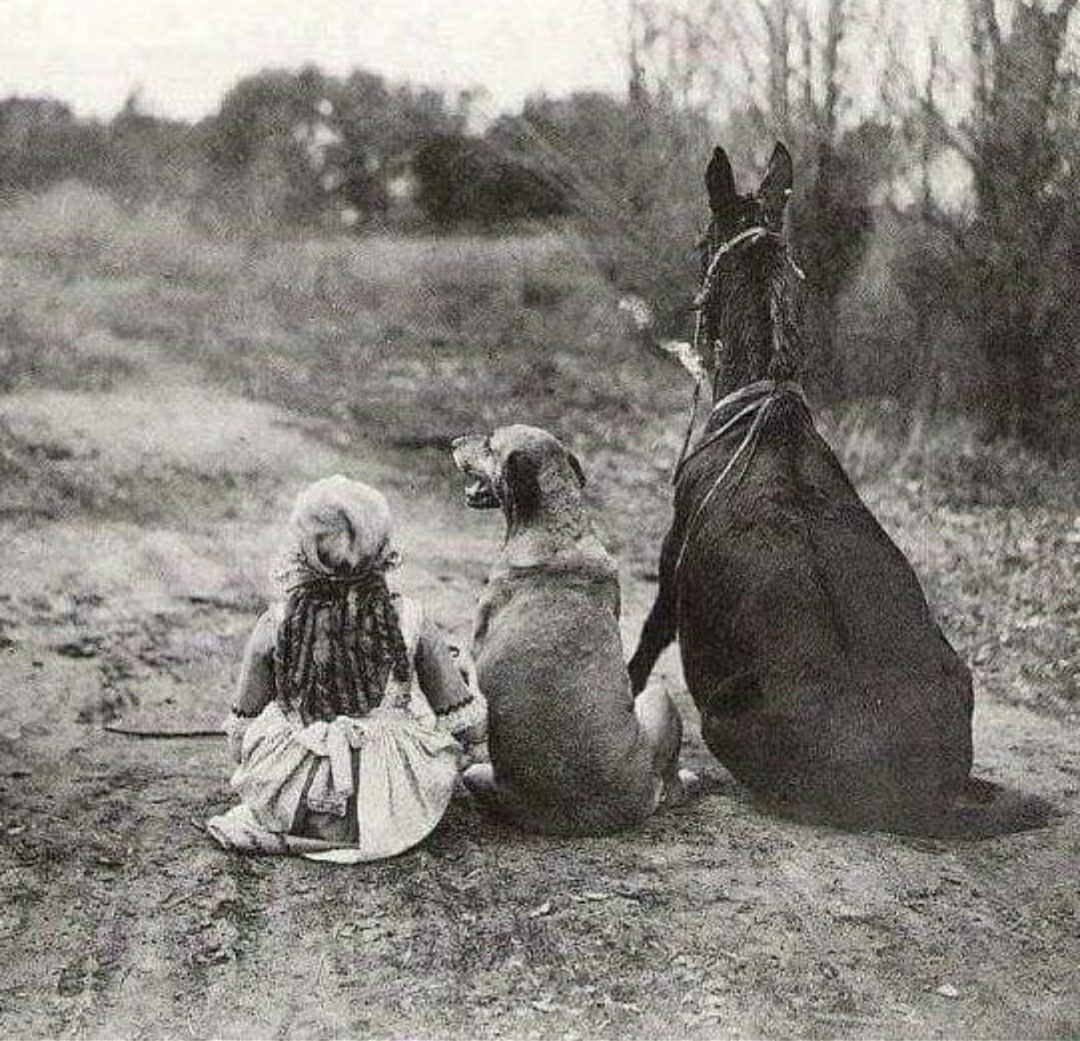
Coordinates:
<point>1016,393</point>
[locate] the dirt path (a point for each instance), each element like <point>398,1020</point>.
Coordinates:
<point>135,545</point>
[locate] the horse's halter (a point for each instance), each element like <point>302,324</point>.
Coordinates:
<point>710,278</point>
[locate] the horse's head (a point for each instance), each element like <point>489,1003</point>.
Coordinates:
<point>745,299</point>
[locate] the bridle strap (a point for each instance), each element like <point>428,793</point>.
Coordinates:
<point>751,393</point>
<point>756,402</point>
<point>758,231</point>
<point>708,284</point>
<point>760,410</point>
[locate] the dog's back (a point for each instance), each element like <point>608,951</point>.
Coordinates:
<point>562,731</point>
<point>572,751</point>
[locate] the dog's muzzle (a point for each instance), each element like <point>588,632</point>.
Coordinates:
<point>481,496</point>
<point>473,457</point>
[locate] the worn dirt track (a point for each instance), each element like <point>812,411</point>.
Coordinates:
<point>136,538</point>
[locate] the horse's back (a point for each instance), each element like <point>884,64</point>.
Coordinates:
<point>807,641</point>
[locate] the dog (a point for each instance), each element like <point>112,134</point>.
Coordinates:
<point>572,751</point>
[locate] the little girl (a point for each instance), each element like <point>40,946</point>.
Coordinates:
<point>350,708</point>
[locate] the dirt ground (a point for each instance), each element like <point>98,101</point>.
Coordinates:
<point>132,575</point>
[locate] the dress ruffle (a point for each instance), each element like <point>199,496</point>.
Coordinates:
<point>402,783</point>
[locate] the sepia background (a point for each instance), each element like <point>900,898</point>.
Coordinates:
<point>244,245</point>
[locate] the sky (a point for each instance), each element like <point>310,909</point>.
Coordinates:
<point>182,55</point>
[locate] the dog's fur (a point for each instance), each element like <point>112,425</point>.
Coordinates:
<point>569,753</point>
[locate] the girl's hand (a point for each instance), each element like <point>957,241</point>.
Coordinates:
<point>476,752</point>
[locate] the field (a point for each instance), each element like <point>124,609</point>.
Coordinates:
<point>163,396</point>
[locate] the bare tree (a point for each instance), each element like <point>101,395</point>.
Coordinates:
<point>1017,140</point>
<point>1017,173</point>
<point>779,67</point>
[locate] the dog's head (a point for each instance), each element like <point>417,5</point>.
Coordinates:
<point>519,468</point>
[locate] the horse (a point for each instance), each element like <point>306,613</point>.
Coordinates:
<point>823,682</point>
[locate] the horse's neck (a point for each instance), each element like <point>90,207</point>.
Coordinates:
<point>744,344</point>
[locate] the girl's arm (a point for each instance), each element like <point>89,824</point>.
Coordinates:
<point>459,708</point>
<point>255,689</point>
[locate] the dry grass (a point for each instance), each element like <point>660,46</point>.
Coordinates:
<point>405,342</point>
<point>994,533</point>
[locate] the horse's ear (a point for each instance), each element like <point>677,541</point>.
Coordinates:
<point>776,185</point>
<point>720,183</point>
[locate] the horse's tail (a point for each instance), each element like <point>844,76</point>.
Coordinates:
<point>984,810</point>
<point>981,810</point>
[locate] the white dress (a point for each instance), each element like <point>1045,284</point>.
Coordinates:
<point>394,770</point>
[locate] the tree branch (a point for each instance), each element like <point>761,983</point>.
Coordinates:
<point>1064,13</point>
<point>952,136</point>
<point>984,9</point>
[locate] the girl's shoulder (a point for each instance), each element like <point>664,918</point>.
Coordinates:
<point>264,632</point>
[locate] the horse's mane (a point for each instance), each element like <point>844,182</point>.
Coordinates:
<point>751,318</point>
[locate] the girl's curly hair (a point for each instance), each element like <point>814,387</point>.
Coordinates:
<point>338,645</point>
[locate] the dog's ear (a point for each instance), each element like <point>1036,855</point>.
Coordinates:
<point>575,465</point>
<point>521,479</point>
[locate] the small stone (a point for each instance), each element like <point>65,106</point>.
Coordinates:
<point>947,990</point>
<point>84,647</point>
